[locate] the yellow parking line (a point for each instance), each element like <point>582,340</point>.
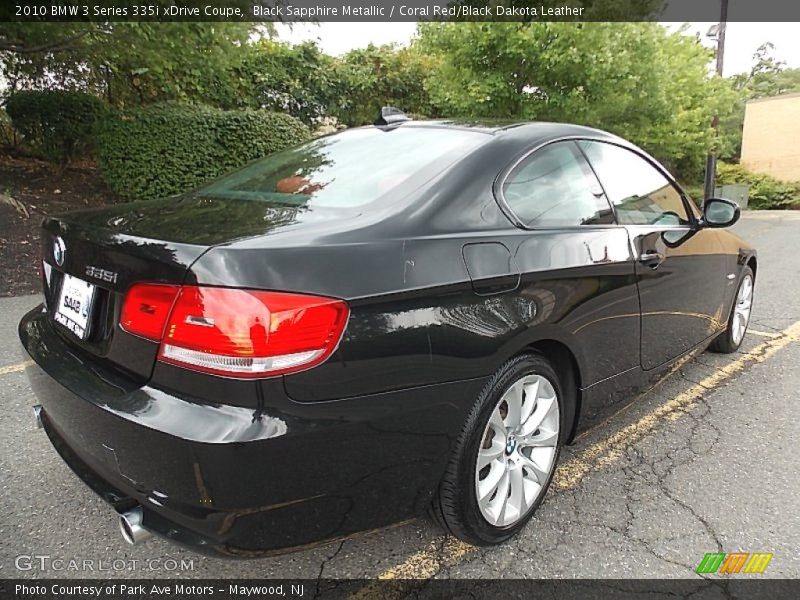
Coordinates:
<point>426,563</point>
<point>15,368</point>
<point>421,565</point>
<point>448,551</point>
<point>608,450</point>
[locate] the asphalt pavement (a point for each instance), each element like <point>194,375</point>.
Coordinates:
<point>705,462</point>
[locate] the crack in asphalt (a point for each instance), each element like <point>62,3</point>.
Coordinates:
<point>323,564</point>
<point>692,403</point>
<point>634,476</point>
<point>685,377</point>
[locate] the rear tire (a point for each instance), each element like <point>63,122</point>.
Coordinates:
<point>731,339</point>
<point>505,457</point>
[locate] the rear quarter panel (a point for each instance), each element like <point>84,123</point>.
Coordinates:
<point>576,287</point>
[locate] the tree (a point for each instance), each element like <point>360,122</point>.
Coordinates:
<point>378,76</point>
<point>27,49</point>
<point>300,80</point>
<point>125,62</point>
<point>635,79</point>
<point>39,38</point>
<point>769,76</point>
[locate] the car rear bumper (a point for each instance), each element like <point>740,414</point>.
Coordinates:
<point>235,480</point>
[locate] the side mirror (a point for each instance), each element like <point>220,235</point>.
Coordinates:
<point>718,212</point>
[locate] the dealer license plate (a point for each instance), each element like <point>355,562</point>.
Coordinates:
<point>74,308</point>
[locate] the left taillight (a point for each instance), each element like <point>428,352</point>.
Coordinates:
<point>146,309</point>
<point>234,332</point>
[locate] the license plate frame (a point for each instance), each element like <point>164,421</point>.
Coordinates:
<point>74,307</point>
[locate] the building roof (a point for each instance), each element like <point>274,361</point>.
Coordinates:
<point>778,97</point>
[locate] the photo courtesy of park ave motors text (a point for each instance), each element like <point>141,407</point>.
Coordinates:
<point>385,306</point>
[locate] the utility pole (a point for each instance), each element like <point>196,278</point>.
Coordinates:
<point>711,160</point>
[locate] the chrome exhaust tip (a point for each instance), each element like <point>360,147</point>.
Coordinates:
<point>37,416</point>
<point>130,525</point>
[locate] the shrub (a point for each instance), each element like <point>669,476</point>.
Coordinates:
<point>164,150</point>
<point>764,191</point>
<point>8,135</point>
<point>57,125</point>
<point>694,191</point>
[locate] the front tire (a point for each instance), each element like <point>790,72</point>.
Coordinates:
<point>730,339</point>
<point>506,454</point>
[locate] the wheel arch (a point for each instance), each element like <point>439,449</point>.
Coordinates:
<point>752,262</point>
<point>568,368</point>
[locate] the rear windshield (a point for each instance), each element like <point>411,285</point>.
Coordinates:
<point>348,169</point>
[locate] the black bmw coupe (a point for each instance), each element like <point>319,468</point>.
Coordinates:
<point>408,317</point>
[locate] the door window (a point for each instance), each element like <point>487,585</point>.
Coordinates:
<point>640,193</point>
<point>554,187</point>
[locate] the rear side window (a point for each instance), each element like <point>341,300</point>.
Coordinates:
<point>554,187</point>
<point>641,195</point>
<point>348,169</point>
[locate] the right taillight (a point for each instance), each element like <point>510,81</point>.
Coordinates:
<point>246,333</point>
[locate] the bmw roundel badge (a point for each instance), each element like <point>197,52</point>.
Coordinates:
<point>59,251</point>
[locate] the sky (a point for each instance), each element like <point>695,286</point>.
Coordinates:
<point>742,38</point>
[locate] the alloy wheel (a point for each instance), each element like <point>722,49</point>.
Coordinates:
<point>741,310</point>
<point>518,450</point>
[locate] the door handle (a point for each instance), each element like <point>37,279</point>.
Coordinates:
<point>651,258</point>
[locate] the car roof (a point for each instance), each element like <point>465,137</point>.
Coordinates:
<point>489,126</point>
<point>530,131</point>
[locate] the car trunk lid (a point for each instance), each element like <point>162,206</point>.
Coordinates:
<point>112,249</point>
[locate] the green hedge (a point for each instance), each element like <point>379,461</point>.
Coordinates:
<point>56,125</point>
<point>164,150</point>
<point>8,135</point>
<point>764,191</point>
